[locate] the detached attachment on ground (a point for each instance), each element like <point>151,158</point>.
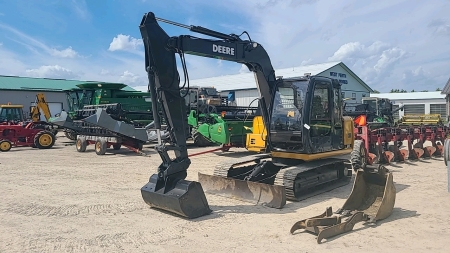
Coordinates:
<point>372,199</point>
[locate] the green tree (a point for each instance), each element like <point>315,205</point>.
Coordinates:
<point>438,89</point>
<point>375,91</point>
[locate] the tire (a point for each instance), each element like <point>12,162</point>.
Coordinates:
<point>71,135</point>
<point>200,140</point>
<point>446,151</point>
<point>44,140</point>
<point>5,145</point>
<point>100,147</point>
<point>81,144</point>
<point>358,155</point>
<point>117,146</point>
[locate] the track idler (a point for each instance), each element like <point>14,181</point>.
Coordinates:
<point>185,198</point>
<point>372,199</point>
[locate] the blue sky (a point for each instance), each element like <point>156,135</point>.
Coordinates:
<point>402,44</point>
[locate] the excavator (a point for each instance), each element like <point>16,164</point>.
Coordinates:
<point>306,135</point>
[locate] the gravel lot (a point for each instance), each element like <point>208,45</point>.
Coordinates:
<point>60,200</point>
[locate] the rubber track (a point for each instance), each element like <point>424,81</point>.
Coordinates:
<point>285,177</point>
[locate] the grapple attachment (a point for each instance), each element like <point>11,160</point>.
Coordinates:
<point>253,192</point>
<point>186,198</point>
<point>372,198</point>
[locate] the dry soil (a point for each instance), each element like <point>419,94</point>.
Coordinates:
<point>59,200</point>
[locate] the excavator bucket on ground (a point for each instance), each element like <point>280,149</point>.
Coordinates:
<point>253,192</point>
<point>270,195</point>
<point>186,199</point>
<point>372,199</point>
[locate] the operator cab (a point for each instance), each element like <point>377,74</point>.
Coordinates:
<point>307,115</point>
<point>11,113</point>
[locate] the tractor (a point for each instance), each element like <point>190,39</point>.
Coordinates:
<point>15,131</point>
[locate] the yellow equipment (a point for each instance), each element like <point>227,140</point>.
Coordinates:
<point>41,105</point>
<point>421,119</point>
<point>256,141</point>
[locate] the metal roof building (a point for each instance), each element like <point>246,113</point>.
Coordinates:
<point>244,85</point>
<point>432,102</point>
<point>23,90</point>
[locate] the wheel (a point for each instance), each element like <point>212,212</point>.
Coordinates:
<point>358,155</point>
<point>5,145</point>
<point>446,151</point>
<point>100,147</point>
<point>116,146</point>
<point>71,135</point>
<point>81,144</point>
<point>44,139</point>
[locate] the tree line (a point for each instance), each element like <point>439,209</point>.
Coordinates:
<point>405,91</point>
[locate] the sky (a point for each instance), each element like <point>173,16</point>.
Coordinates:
<point>392,44</point>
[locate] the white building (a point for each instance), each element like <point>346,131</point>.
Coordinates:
<point>417,102</point>
<point>244,85</point>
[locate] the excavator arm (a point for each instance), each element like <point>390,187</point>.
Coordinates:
<point>41,105</point>
<point>168,189</point>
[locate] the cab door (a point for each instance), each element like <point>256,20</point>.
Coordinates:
<point>321,116</point>
<point>338,118</point>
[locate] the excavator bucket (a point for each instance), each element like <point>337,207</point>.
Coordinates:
<point>186,199</point>
<point>373,193</point>
<point>253,192</point>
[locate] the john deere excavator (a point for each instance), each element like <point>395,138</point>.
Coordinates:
<point>306,132</point>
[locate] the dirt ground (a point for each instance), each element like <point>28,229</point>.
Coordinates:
<point>60,200</point>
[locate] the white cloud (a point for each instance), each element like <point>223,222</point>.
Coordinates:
<point>440,26</point>
<point>65,53</point>
<point>243,69</point>
<point>125,43</point>
<point>53,71</point>
<point>375,62</point>
<point>130,78</point>
<point>305,30</point>
<point>80,8</point>
<point>420,79</point>
<point>296,32</point>
<point>34,44</point>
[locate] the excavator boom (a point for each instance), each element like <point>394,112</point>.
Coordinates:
<point>168,189</point>
<point>41,105</point>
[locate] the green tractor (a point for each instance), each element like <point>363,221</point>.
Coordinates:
<point>125,105</point>
<point>214,121</point>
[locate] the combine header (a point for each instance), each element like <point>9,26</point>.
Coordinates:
<point>104,130</point>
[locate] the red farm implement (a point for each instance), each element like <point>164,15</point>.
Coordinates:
<point>397,144</point>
